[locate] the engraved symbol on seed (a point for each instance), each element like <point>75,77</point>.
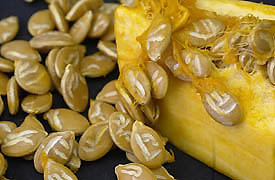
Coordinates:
<point>123,123</point>
<point>23,136</point>
<point>93,142</point>
<point>133,171</point>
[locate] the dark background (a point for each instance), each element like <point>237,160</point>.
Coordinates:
<point>185,166</point>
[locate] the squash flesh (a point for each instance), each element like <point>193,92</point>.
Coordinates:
<point>245,151</point>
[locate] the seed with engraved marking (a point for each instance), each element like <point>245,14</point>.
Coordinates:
<point>22,141</point>
<point>68,55</point>
<point>109,93</point>
<point>19,50</point>
<point>261,41</point>
<point>59,17</point>
<point>222,107</point>
<point>99,111</point>
<point>147,146</point>
<point>248,62</point>
<point>75,162</point>
<point>108,48</point>
<point>95,142</point>
<point>173,66</point>
<point>5,128</point>
<point>6,65</point>
<point>162,174</point>
<point>36,104</point>
<point>270,70</point>
<point>151,111</point>
<point>4,79</point>
<point>57,146</point>
<point>13,96</point>
<point>3,165</point>
<point>32,77</point>
<point>134,171</point>
<point>8,28</point>
<point>74,89</point>
<point>97,65</point>
<point>66,120</point>
<point>100,24</point>
<point>120,128</point>
<point>120,107</point>
<point>31,121</point>
<point>41,22</point>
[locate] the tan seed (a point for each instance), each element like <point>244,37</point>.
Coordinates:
<point>81,27</point>
<point>41,22</point>
<point>120,129</point>
<point>68,55</point>
<point>75,162</point>
<point>59,17</point>
<point>66,5</point>
<point>134,171</point>
<point>74,89</point>
<point>32,77</point>
<point>262,41</point>
<point>97,65</point>
<point>1,105</point>
<point>36,104</point>
<point>162,174</point>
<point>131,157</point>
<point>52,39</point>
<point>66,120</point>
<point>13,96</point>
<point>29,157</point>
<point>270,70</point>
<point>147,146</point>
<point>81,7</point>
<point>99,111</point>
<point>95,142</point>
<point>108,48</point>
<point>130,3</point>
<point>4,79</point>
<point>151,111</point>
<point>6,65</point>
<point>120,107</point>
<point>31,121</point>
<point>8,28</point>
<point>248,62</point>
<point>109,93</point>
<point>5,128</point>
<point>108,8</point>
<point>19,50</point>
<point>173,66</point>
<point>100,24</point>
<point>3,165</point>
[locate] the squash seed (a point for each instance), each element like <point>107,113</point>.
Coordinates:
<point>55,170</point>
<point>173,66</point>
<point>29,157</point>
<point>261,41</point>
<point>4,79</point>
<point>134,171</point>
<point>74,89</point>
<point>137,83</point>
<point>100,111</point>
<point>95,142</point>
<point>57,146</point>
<point>3,165</point>
<point>130,3</point>
<point>81,27</point>
<point>81,7</point>
<point>109,93</point>
<point>199,64</point>
<point>66,120</point>
<point>59,17</point>
<point>22,141</point>
<point>108,48</point>
<point>6,65</point>
<point>13,96</point>
<point>41,22</point>
<point>270,70</point>
<point>151,111</point>
<point>75,162</point>
<point>68,55</point>
<point>36,104</point>
<point>100,24</point>
<point>248,62</point>
<point>108,8</point>
<point>32,122</point>
<point>129,103</point>
<point>131,157</point>
<point>97,65</point>
<point>120,107</point>
<point>158,78</point>
<point>147,146</point>
<point>222,107</point>
<point>3,178</point>
<point>66,5</point>
<point>52,39</point>
<point>120,128</point>
<point>5,128</point>
<point>8,29</point>
<point>32,77</point>
<point>1,105</point>
<point>19,50</point>
<point>162,174</point>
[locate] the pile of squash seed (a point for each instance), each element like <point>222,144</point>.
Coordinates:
<point>113,118</point>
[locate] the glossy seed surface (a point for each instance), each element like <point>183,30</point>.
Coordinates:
<point>120,107</point>
<point>66,5</point>
<point>128,2</point>
<point>262,41</point>
<point>223,107</point>
<point>99,26</point>
<point>162,174</point>
<point>120,128</point>
<point>109,93</point>
<point>36,104</point>
<point>248,62</point>
<point>2,106</point>
<point>9,27</point>
<point>13,96</point>
<point>74,89</point>
<point>95,142</point>
<point>271,70</point>
<point>151,111</point>
<point>131,157</point>
<point>147,145</point>
<point>19,50</point>
<point>66,120</point>
<point>41,22</point>
<point>4,79</point>
<point>108,48</point>
<point>32,122</point>
<point>5,128</point>
<point>97,65</point>
<point>75,162</point>
<point>3,165</point>
<point>59,17</point>
<point>6,66</point>
<point>134,171</point>
<point>32,77</point>
<point>173,66</point>
<point>99,111</point>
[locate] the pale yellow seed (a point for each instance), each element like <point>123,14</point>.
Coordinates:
<point>36,104</point>
<point>13,96</point>
<point>6,65</point>
<point>59,17</point>
<point>8,28</point>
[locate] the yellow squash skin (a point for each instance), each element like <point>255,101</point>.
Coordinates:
<point>245,151</point>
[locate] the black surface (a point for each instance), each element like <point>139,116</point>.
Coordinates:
<point>185,166</point>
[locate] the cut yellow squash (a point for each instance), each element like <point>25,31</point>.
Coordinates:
<point>245,151</point>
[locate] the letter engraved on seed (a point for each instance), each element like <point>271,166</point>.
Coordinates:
<point>133,171</point>
<point>23,136</point>
<point>123,123</point>
<point>56,119</point>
